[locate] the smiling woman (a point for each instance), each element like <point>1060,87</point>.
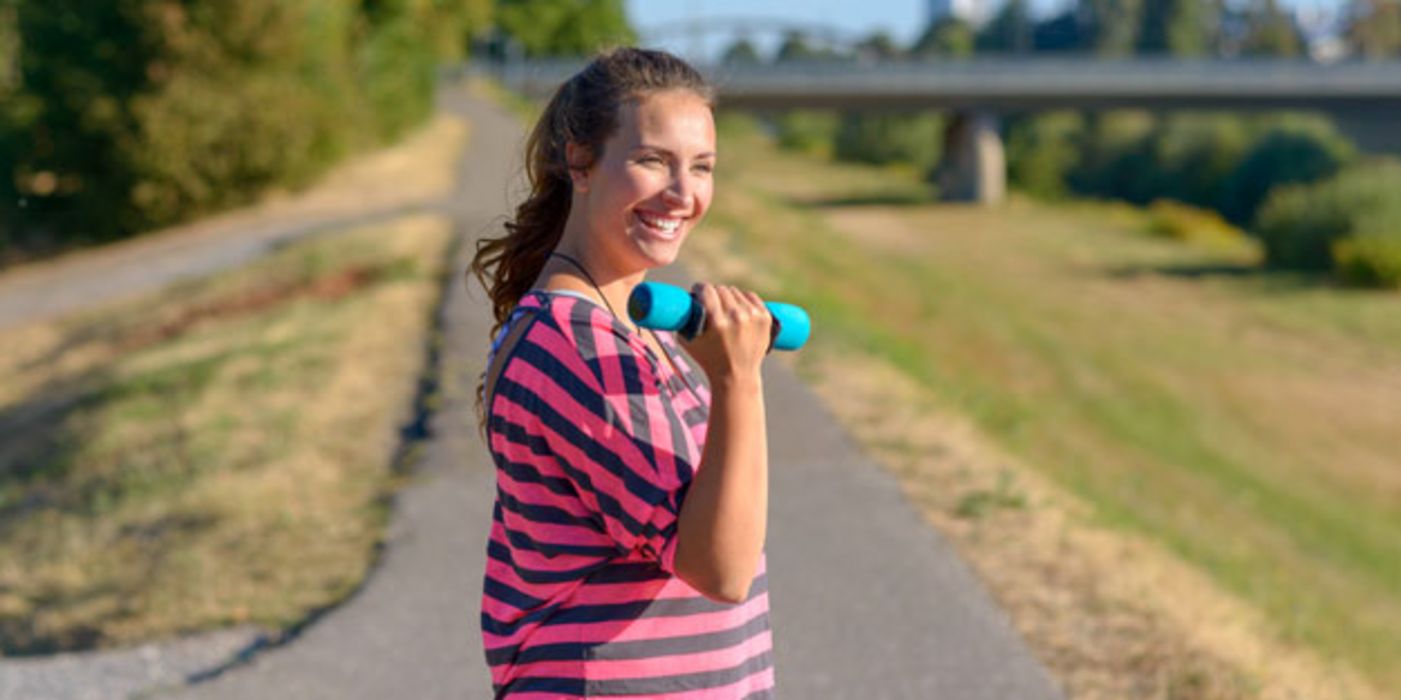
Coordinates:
<point>626,552</point>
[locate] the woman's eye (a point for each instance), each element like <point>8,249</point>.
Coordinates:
<point>650,159</point>
<point>705,168</point>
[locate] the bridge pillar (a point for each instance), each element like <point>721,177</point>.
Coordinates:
<point>974,166</point>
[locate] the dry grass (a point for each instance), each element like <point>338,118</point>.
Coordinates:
<point>213,453</point>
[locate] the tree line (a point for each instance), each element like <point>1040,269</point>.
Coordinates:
<point>123,116</point>
<point>1260,173</point>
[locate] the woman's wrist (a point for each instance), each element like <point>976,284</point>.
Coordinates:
<point>737,383</point>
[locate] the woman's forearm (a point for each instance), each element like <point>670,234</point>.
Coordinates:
<point>724,519</point>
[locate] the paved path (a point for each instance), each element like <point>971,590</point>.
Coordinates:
<point>867,602</point>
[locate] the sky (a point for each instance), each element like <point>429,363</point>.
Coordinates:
<point>902,19</point>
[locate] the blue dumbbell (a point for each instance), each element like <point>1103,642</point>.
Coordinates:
<point>670,308</point>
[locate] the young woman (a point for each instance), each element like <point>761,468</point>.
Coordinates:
<point>626,554</point>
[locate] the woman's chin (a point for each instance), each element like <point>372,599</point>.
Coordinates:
<point>659,253</point>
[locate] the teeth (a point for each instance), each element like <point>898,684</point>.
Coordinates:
<point>667,225</point>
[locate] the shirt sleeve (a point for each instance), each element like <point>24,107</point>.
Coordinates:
<point>630,460</point>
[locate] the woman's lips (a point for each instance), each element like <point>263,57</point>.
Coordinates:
<point>662,226</point>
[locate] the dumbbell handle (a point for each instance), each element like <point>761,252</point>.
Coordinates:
<point>667,307</point>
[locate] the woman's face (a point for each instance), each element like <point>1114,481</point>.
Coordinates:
<point>653,182</point>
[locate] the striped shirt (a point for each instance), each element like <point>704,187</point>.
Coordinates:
<point>596,440</point>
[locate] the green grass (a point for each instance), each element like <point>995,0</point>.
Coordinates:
<point>1249,421</point>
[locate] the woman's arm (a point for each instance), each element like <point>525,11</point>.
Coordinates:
<point>724,518</point>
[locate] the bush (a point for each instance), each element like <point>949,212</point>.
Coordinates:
<point>1182,222</point>
<point>1042,151</point>
<point>881,139</point>
<point>1195,153</point>
<point>1292,149</point>
<point>1116,157</point>
<point>806,131</point>
<point>1369,260</point>
<point>1300,225</point>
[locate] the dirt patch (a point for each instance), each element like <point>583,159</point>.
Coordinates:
<point>325,288</point>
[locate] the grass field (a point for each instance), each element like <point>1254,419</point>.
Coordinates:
<point>1249,422</point>
<point>213,453</point>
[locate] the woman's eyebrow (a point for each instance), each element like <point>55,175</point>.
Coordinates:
<point>668,151</point>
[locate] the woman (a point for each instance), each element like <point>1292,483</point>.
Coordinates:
<point>626,552</point>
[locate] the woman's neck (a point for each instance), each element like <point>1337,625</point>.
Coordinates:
<point>559,274</point>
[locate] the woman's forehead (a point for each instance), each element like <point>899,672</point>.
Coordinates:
<point>674,119</point>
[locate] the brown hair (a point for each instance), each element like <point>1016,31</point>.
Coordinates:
<point>583,111</point>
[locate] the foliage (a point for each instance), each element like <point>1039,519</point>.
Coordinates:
<point>1114,26</point>
<point>1374,27</point>
<point>741,52</point>
<point>1041,152</point>
<point>806,131</point>
<point>889,138</point>
<point>1271,32</point>
<point>1009,31</point>
<point>1291,149</point>
<point>1178,27</point>
<point>1369,260</point>
<point>553,28</point>
<point>949,37</point>
<point>1187,223</point>
<point>796,47</point>
<point>1302,225</point>
<point>1208,160</point>
<point>135,114</point>
<point>878,47</point>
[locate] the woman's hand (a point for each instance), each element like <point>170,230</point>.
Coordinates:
<point>736,336</point>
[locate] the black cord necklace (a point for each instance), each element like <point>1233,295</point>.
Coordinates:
<point>661,345</point>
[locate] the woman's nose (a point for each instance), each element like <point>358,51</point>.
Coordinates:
<point>679,193</point>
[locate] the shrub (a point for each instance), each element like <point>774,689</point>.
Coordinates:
<point>806,131</point>
<point>1182,222</point>
<point>881,139</point>
<point>1369,260</point>
<point>1194,154</point>
<point>1042,151</point>
<point>1292,149</point>
<point>1116,158</point>
<point>1299,225</point>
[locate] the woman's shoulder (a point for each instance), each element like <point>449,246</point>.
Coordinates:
<point>580,322</point>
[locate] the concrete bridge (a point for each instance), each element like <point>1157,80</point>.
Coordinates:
<point>1363,97</point>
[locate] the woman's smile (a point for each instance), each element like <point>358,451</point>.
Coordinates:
<point>664,226</point>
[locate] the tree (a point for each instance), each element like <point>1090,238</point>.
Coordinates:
<point>1271,32</point>
<point>9,46</point>
<point>795,47</point>
<point>554,28</point>
<point>454,23</point>
<point>1009,31</point>
<point>1067,31</point>
<point>878,47</point>
<point>949,36</point>
<point>742,52</point>
<point>1178,27</point>
<point>140,113</point>
<point>1114,24</point>
<point>1374,27</point>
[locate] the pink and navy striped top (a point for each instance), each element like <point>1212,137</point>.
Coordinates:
<point>596,441</point>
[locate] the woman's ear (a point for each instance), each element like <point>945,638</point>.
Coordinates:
<point>578,156</point>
